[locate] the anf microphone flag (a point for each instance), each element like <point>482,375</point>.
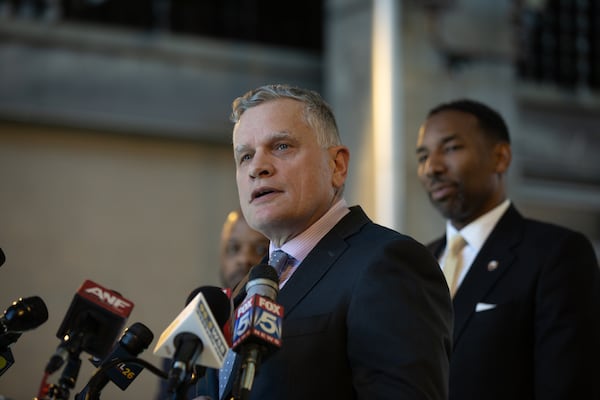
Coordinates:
<point>98,315</point>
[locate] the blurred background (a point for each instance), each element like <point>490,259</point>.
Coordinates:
<point>115,144</point>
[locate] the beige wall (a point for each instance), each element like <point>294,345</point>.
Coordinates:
<point>136,215</point>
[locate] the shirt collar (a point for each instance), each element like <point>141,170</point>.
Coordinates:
<point>301,245</point>
<point>478,231</point>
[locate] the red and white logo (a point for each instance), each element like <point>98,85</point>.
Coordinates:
<point>106,298</point>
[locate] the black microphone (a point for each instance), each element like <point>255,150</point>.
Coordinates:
<point>23,315</point>
<point>257,328</point>
<point>195,336</point>
<point>2,257</point>
<point>134,340</point>
<point>92,324</point>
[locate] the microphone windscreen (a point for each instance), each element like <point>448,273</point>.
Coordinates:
<point>237,300</point>
<point>193,294</point>
<point>94,319</point>
<point>263,271</point>
<point>136,338</point>
<point>219,303</point>
<point>25,314</point>
<point>204,317</point>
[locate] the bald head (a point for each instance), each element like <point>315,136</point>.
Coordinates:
<point>241,248</point>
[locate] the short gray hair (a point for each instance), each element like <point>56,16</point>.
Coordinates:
<point>317,113</point>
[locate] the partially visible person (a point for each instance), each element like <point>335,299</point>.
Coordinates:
<point>241,247</point>
<point>526,294</point>
<point>367,314</point>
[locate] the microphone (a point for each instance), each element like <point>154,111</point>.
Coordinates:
<point>134,340</point>
<point>195,336</point>
<point>93,322</point>
<point>257,328</point>
<point>226,327</point>
<point>2,257</point>
<point>22,315</point>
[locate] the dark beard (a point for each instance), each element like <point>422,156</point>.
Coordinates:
<point>452,208</point>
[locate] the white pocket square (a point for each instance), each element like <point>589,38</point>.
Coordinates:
<point>484,306</point>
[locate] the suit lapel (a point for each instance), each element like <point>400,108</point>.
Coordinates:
<point>495,258</point>
<point>310,271</point>
<point>320,259</point>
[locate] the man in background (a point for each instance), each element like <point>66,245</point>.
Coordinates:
<point>241,248</point>
<point>526,294</point>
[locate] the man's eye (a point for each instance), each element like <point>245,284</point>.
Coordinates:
<point>421,158</point>
<point>232,249</point>
<point>244,157</point>
<point>454,147</point>
<point>282,146</point>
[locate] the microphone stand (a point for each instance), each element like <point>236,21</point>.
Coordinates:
<point>67,379</point>
<point>98,380</point>
<point>181,393</point>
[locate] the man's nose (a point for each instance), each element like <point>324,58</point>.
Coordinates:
<point>260,166</point>
<point>434,164</point>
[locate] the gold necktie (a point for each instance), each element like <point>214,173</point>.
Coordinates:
<point>453,264</point>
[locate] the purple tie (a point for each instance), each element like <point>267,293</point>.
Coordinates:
<point>279,260</point>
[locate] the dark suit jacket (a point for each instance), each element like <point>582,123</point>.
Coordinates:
<point>367,316</point>
<point>542,340</point>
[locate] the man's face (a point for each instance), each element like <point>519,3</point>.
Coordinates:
<point>242,249</point>
<point>285,180</point>
<point>458,168</point>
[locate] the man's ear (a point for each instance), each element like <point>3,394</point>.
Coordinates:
<point>502,156</point>
<point>340,156</point>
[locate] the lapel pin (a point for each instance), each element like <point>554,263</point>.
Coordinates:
<point>492,265</point>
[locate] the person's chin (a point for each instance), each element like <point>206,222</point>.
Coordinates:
<point>444,206</point>
<point>267,216</point>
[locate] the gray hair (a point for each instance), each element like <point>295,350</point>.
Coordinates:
<point>317,113</point>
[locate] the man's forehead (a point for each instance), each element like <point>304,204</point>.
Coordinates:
<point>239,144</point>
